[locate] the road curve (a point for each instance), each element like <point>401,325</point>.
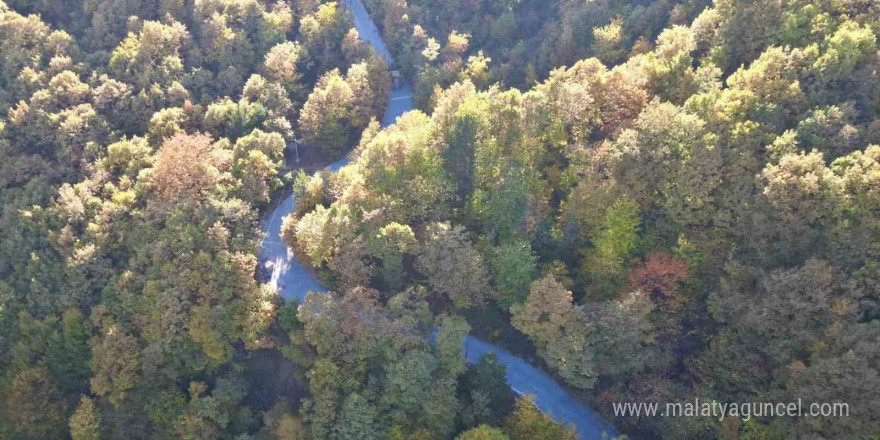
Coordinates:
<point>292,280</point>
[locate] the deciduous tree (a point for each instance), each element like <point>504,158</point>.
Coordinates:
<point>453,267</point>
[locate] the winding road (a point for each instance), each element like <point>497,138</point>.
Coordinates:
<point>292,280</point>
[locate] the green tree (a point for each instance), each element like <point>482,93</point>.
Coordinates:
<point>604,265</point>
<point>207,416</point>
<point>559,331</point>
<point>282,66</point>
<point>846,49</point>
<point>449,342</point>
<point>68,355</point>
<point>620,330</point>
<point>514,266</point>
<point>322,409</point>
<point>503,206</point>
<point>486,396</point>
<point>829,130</point>
<point>358,420</point>
<point>528,423</point>
<point>35,406</point>
<point>803,197</point>
<point>392,242</point>
<point>408,385</point>
<point>151,56</point>
<point>459,155</point>
<point>404,173</point>
<point>115,362</point>
<point>85,423</point>
<point>258,159</point>
<point>442,407</point>
<point>609,42</point>
<point>453,266</point>
<point>322,32</point>
<point>791,309</point>
<point>337,109</point>
<point>483,432</point>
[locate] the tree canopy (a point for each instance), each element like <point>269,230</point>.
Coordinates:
<point>654,201</point>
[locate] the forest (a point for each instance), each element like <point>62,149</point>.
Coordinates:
<point>648,200</point>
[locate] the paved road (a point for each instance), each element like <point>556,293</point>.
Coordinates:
<point>291,280</point>
<point>549,395</point>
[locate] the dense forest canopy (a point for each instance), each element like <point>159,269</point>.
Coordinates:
<point>654,201</point>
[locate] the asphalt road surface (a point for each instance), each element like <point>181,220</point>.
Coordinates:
<point>292,280</point>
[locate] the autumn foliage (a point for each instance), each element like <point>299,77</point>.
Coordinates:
<point>183,170</point>
<point>660,277</point>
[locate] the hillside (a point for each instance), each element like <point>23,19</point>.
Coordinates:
<point>637,201</point>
